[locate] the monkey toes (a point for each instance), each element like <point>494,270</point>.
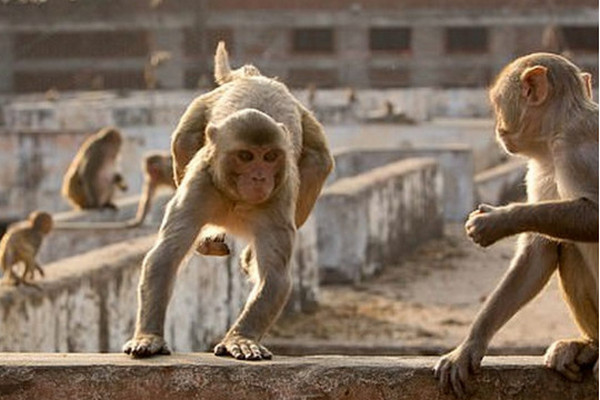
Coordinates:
<point>146,346</point>
<point>242,349</point>
<point>568,356</point>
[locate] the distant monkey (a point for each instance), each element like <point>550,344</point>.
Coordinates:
<point>91,178</point>
<point>249,159</point>
<point>20,244</point>
<point>543,112</point>
<point>158,171</point>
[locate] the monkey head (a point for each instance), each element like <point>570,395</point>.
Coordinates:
<point>250,156</point>
<point>41,221</point>
<point>528,94</point>
<point>159,168</point>
<point>112,136</point>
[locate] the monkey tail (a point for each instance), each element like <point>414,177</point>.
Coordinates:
<point>223,71</point>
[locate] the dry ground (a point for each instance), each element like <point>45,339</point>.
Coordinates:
<point>428,301</point>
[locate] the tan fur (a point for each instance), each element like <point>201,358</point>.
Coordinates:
<point>218,144</point>
<point>91,178</point>
<point>20,244</point>
<point>545,113</point>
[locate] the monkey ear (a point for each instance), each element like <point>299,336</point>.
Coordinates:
<point>211,132</point>
<point>534,85</point>
<point>587,80</point>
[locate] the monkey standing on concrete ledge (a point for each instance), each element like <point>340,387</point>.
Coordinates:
<point>91,178</point>
<point>249,159</point>
<point>544,112</point>
<point>20,244</point>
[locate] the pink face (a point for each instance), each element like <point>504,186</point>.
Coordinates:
<point>255,170</point>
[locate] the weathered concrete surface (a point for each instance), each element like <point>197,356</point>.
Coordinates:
<point>68,243</point>
<point>502,184</point>
<point>204,376</point>
<point>456,164</point>
<point>87,303</point>
<point>377,218</point>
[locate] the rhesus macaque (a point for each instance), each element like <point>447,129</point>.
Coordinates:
<point>158,171</point>
<point>248,159</point>
<point>543,112</point>
<point>91,178</point>
<point>20,244</point>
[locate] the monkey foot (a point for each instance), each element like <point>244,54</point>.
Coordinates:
<point>242,349</point>
<point>570,355</point>
<point>213,246</point>
<point>146,346</point>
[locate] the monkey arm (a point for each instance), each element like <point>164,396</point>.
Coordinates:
<point>535,260</point>
<point>314,166</point>
<point>188,136</point>
<point>145,201</point>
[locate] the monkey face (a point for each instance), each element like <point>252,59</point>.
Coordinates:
<point>256,172</point>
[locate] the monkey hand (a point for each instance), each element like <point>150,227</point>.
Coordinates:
<point>454,369</point>
<point>570,355</point>
<point>146,345</point>
<point>485,225</point>
<point>213,245</point>
<point>242,348</point>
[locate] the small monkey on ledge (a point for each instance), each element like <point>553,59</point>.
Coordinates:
<point>20,244</point>
<point>248,159</point>
<point>543,112</point>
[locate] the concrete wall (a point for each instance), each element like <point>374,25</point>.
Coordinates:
<point>377,218</point>
<point>87,303</point>
<point>203,376</point>
<point>455,162</point>
<point>502,184</point>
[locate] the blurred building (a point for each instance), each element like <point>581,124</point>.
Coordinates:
<point>137,44</point>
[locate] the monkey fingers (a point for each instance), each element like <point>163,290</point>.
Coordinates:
<point>213,246</point>
<point>242,348</point>
<point>455,368</point>
<point>146,346</point>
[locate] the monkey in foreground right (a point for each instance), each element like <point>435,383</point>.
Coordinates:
<point>544,112</point>
<point>20,244</point>
<point>91,178</point>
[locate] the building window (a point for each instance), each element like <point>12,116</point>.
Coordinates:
<point>466,40</point>
<point>390,39</point>
<point>581,38</point>
<point>94,44</point>
<point>312,40</point>
<point>192,41</point>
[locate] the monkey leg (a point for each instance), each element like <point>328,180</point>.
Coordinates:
<point>569,356</point>
<point>180,227</point>
<point>273,249</point>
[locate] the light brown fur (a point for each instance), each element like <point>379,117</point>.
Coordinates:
<point>545,113</point>
<point>91,178</point>
<point>20,244</point>
<point>250,160</point>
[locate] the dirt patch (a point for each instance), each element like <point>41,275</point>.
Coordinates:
<point>429,300</point>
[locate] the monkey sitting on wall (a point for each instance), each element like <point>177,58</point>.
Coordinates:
<point>91,178</point>
<point>250,159</point>
<point>20,244</point>
<point>543,112</point>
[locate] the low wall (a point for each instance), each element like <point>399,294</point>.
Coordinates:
<point>502,184</point>
<point>204,376</point>
<point>377,218</point>
<point>456,164</point>
<point>87,303</point>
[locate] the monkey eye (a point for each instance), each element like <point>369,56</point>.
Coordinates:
<point>271,156</point>
<point>245,155</point>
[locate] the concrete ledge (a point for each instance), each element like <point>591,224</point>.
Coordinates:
<point>204,376</point>
<point>502,184</point>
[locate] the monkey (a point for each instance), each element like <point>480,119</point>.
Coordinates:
<point>158,171</point>
<point>20,244</point>
<point>544,113</point>
<point>91,178</point>
<point>249,159</point>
